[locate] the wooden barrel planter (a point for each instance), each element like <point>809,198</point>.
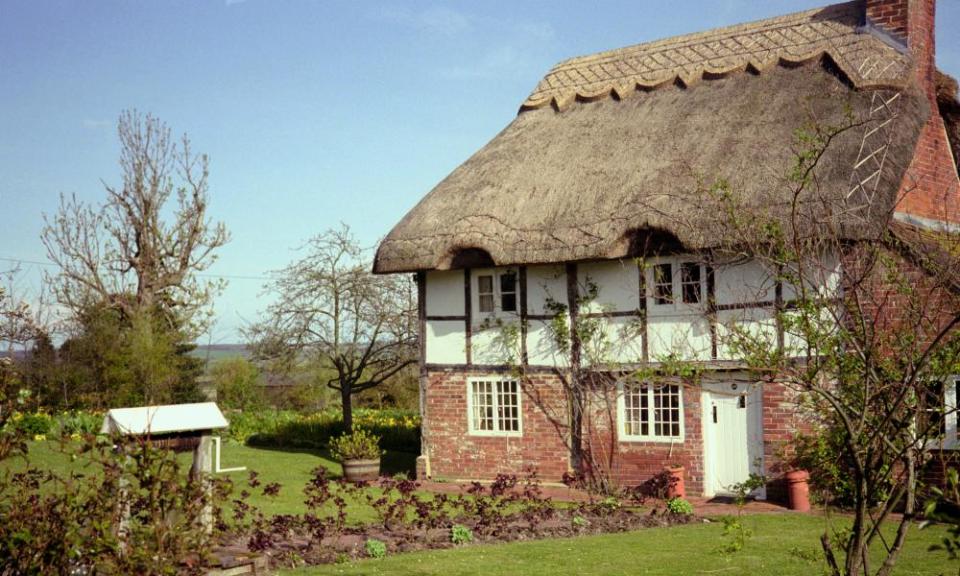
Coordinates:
<point>361,470</point>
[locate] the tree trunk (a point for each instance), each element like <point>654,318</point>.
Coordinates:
<point>346,399</point>
<point>576,425</point>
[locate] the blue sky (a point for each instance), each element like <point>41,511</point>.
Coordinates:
<point>313,113</point>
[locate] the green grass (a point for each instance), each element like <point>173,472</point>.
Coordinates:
<point>779,547</point>
<point>290,468</point>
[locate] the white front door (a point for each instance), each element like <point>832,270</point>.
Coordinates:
<point>733,438</point>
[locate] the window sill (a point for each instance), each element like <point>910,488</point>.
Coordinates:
<point>624,439</point>
<point>484,434</point>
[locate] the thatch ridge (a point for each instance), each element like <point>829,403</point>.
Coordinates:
<point>866,57</point>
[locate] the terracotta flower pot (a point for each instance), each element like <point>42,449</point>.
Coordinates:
<point>798,489</point>
<point>361,470</point>
<point>675,486</point>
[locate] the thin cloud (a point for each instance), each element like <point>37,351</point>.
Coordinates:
<point>436,19</point>
<point>93,124</point>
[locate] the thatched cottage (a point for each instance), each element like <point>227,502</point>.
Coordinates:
<point>602,166</point>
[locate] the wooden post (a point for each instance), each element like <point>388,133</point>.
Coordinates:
<point>123,499</point>
<point>200,471</point>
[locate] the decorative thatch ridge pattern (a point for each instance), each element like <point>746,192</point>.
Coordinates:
<point>862,55</point>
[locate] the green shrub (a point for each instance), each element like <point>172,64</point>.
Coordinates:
<point>460,534</point>
<point>78,422</point>
<point>375,548</point>
<point>679,507</point>
<point>33,424</point>
<point>238,384</point>
<point>359,445</point>
<point>399,430</point>
<point>824,456</point>
<point>71,529</point>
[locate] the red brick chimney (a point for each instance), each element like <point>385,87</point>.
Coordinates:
<point>930,191</point>
<point>913,23</point>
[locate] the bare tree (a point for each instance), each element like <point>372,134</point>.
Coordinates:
<point>128,246</point>
<point>331,309</point>
<point>18,324</point>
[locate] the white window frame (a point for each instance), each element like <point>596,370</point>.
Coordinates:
<point>650,437</point>
<point>471,429</point>
<point>950,440</point>
<point>498,311</point>
<point>676,280</point>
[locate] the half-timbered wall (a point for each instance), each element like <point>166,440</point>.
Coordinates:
<point>646,314</point>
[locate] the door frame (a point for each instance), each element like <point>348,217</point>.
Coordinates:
<point>727,387</point>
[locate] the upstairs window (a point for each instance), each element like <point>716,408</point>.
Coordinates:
<point>690,282</point>
<point>663,284</point>
<point>485,293</point>
<point>675,284</point>
<point>496,292</point>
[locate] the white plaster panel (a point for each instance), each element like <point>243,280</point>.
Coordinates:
<point>542,347</point>
<point>497,344</point>
<point>687,337</point>
<point>445,291</point>
<point>545,282</point>
<point>759,324</point>
<point>794,341</point>
<point>822,278</point>
<point>622,343</point>
<point>618,282</point>
<point>446,342</point>
<point>746,282</point>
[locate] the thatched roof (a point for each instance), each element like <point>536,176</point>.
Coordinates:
<point>612,145</point>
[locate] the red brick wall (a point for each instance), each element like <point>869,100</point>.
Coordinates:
<point>930,188</point>
<point>891,15</point>
<point>914,22</point>
<point>454,454</point>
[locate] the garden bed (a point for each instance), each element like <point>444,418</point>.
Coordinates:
<point>408,520</point>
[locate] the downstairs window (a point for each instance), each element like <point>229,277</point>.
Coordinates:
<point>650,412</point>
<point>493,407</point>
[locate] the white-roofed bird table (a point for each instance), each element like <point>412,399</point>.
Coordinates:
<point>177,427</point>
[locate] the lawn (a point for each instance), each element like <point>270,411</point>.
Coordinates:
<point>783,545</point>
<point>290,468</point>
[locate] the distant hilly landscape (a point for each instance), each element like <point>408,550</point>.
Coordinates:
<point>210,353</point>
<point>214,352</point>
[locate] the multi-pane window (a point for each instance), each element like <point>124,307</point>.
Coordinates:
<point>690,282</point>
<point>497,292</point>
<point>485,293</point>
<point>494,406</point>
<point>676,283</point>
<point>938,413</point>
<point>651,412</point>
<point>933,423</point>
<point>508,292</point>
<point>663,284</point>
